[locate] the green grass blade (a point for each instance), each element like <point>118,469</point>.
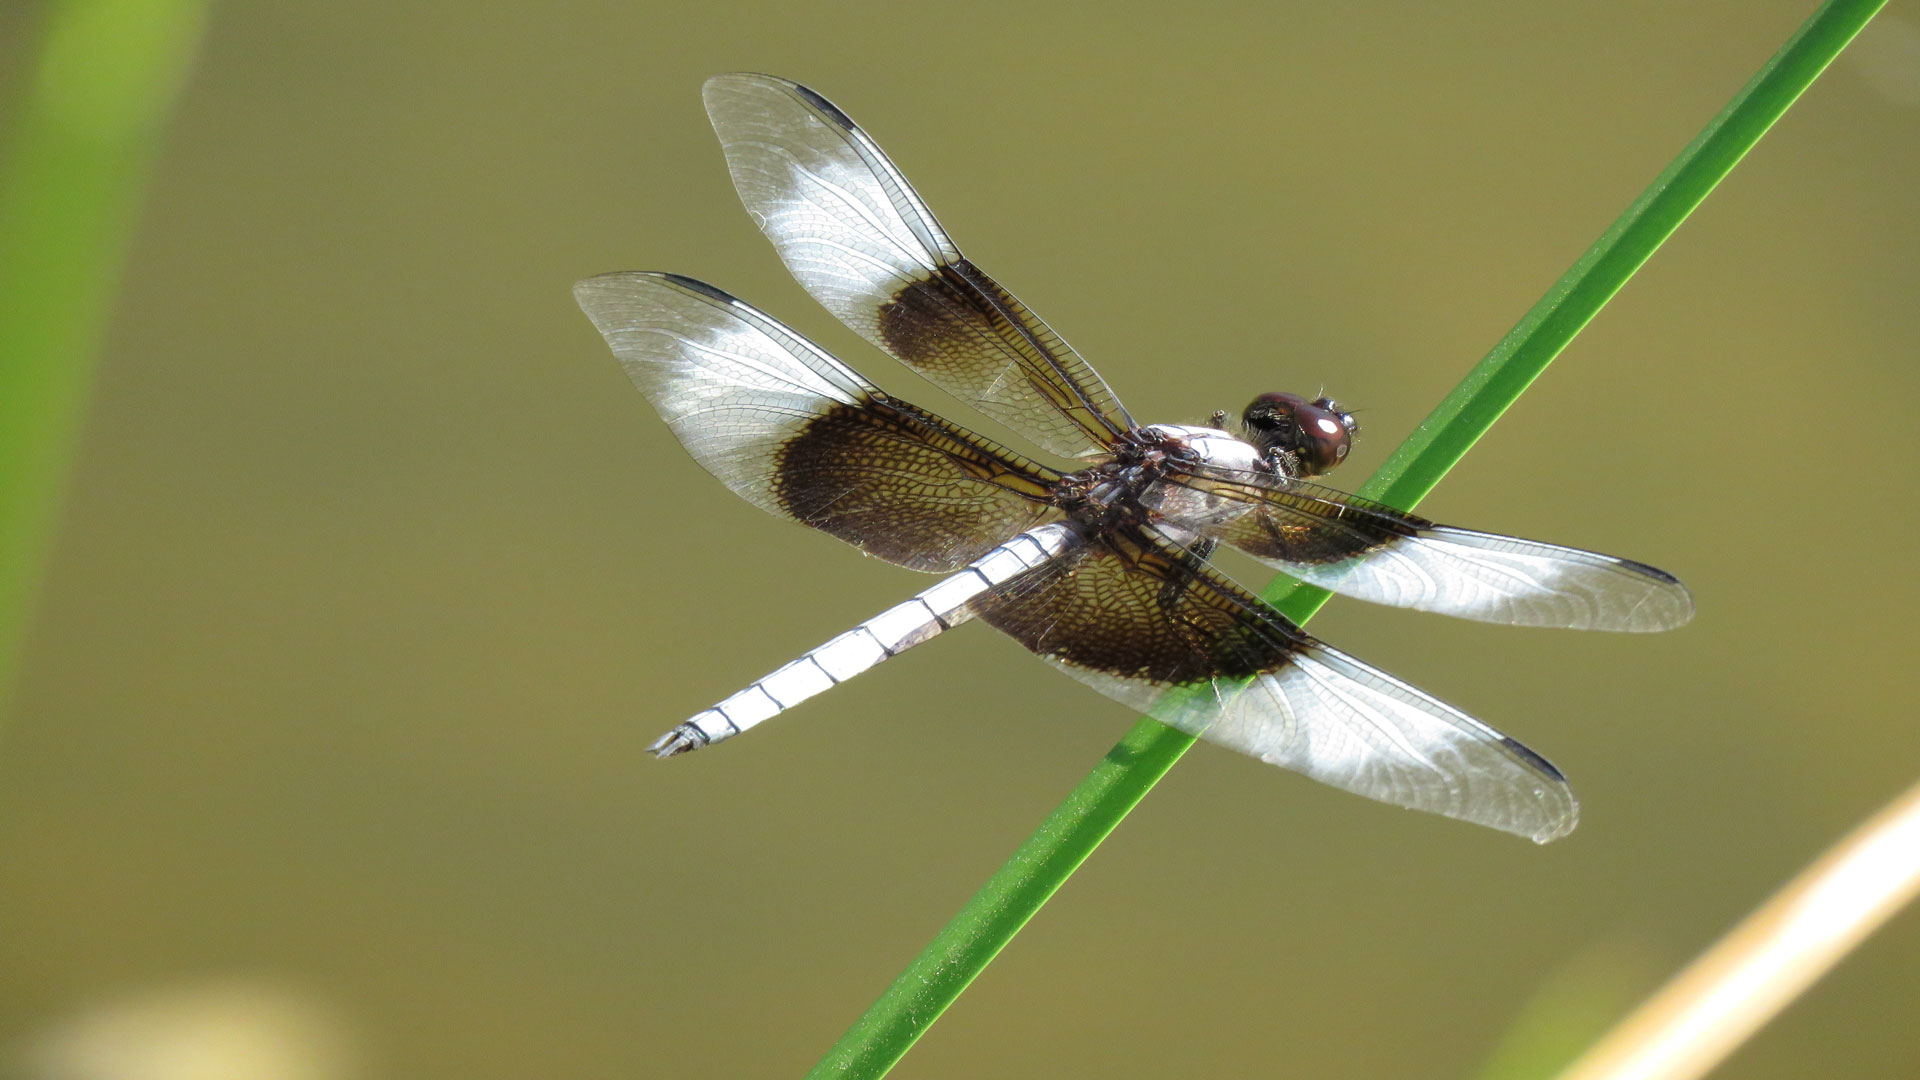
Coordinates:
<point>1042,864</point>
<point>84,136</point>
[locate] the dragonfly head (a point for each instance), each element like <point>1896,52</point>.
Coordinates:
<point>1317,433</point>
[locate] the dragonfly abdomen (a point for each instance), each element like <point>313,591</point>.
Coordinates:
<point>888,634</point>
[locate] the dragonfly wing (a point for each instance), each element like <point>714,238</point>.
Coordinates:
<point>1147,623</point>
<point>1369,551</point>
<point>798,433</point>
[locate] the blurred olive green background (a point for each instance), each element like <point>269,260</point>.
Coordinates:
<point>376,576</point>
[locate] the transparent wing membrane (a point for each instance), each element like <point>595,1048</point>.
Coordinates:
<point>1368,551</point>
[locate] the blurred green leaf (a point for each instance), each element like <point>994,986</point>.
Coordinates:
<point>83,140</point>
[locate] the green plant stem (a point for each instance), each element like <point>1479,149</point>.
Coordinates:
<point>1042,864</point>
<point>83,140</point>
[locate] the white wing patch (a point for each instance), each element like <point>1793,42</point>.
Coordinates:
<point>845,222</point>
<point>731,383</point>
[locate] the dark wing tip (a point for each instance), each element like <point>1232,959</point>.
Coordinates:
<point>1653,572</point>
<point>1559,792</point>
<point>711,292</point>
<point>628,279</point>
<point>1667,605</point>
<point>828,108</point>
<point>1525,753</point>
<point>807,95</point>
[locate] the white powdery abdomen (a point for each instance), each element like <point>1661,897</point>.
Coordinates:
<point>887,634</point>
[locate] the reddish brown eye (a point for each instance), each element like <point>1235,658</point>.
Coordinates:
<point>1317,433</point>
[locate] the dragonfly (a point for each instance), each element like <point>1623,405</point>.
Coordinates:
<point>1100,566</point>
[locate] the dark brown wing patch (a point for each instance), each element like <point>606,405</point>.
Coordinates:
<point>906,486</point>
<point>1125,608</point>
<point>965,333</point>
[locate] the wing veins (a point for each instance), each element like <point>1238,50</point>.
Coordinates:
<point>859,207</point>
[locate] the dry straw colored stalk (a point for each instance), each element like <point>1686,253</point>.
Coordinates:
<point>1725,996</point>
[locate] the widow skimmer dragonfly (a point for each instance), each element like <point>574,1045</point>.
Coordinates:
<point>1101,570</point>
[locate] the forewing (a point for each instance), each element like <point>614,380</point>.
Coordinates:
<point>1369,551</point>
<point>800,434</point>
<point>1150,625</point>
<point>857,237</point>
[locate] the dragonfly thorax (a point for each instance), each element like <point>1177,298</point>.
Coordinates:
<point>1141,484</point>
<point>1206,446</point>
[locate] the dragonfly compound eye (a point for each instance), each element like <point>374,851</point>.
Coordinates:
<point>1316,432</point>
